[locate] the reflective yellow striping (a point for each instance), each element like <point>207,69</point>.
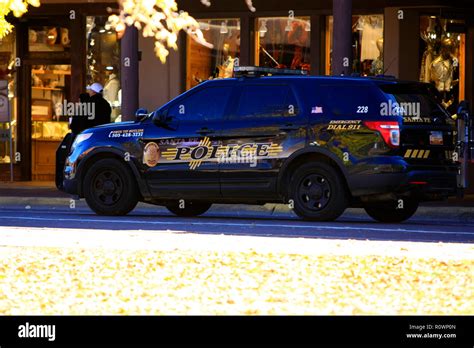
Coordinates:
<point>408,153</point>
<point>427,153</point>
<point>421,153</point>
<point>414,154</point>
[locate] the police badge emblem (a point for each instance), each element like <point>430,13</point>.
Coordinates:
<point>151,154</point>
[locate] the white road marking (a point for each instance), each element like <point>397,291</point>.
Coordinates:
<point>315,227</point>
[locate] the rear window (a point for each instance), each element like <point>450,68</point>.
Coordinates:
<point>413,101</point>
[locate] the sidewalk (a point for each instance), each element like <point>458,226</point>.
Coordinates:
<point>33,189</point>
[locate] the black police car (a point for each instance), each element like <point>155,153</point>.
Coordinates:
<point>319,144</point>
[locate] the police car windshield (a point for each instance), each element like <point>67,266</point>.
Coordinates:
<point>414,100</point>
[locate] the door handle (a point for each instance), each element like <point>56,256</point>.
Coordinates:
<point>289,127</point>
<point>205,131</point>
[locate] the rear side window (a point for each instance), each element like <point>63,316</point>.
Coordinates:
<point>264,101</point>
<point>207,104</point>
<point>350,100</point>
<point>414,100</point>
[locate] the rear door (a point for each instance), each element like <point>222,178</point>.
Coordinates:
<point>267,124</point>
<point>427,133</point>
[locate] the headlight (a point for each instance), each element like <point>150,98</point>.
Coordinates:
<point>79,139</point>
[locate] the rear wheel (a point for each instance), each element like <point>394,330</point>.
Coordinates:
<point>188,208</point>
<point>392,211</point>
<point>318,192</point>
<point>110,188</point>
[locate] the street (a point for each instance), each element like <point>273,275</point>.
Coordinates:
<point>430,224</point>
<point>58,257</point>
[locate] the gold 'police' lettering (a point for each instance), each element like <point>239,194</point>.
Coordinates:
<point>206,151</point>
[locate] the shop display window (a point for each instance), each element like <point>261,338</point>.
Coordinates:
<point>48,39</point>
<point>8,98</point>
<point>442,52</point>
<point>50,88</point>
<point>103,62</point>
<point>367,44</point>
<point>205,63</point>
<point>283,42</point>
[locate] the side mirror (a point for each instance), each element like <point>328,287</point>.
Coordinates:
<point>140,114</point>
<point>161,118</point>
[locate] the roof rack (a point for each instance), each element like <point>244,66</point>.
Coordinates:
<point>257,71</point>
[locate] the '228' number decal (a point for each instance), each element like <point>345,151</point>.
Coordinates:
<point>362,109</point>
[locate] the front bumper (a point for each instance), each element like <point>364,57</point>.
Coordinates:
<point>70,186</point>
<point>68,179</point>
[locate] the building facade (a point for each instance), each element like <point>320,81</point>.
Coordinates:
<point>58,56</point>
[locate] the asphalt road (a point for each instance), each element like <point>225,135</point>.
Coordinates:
<point>430,225</point>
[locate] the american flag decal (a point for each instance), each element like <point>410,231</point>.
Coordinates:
<point>317,110</point>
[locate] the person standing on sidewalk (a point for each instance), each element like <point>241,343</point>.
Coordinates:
<point>101,112</point>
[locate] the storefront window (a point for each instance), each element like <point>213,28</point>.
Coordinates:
<point>283,42</point>
<point>442,59</point>
<point>50,88</point>
<point>103,62</point>
<point>48,39</point>
<point>8,99</point>
<point>367,44</point>
<point>205,63</point>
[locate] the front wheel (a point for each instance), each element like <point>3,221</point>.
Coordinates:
<point>110,188</point>
<point>318,192</point>
<point>392,211</point>
<point>188,208</point>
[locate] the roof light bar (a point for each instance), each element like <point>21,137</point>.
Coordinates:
<point>256,71</point>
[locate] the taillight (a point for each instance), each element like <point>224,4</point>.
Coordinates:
<point>389,130</point>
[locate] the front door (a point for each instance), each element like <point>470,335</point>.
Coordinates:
<point>266,127</point>
<point>50,90</point>
<point>180,161</point>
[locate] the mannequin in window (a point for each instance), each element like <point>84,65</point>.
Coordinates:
<point>431,37</point>
<point>442,71</point>
<point>377,64</point>
<point>111,89</point>
<point>227,68</point>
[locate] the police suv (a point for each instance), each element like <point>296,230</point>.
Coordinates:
<point>319,144</point>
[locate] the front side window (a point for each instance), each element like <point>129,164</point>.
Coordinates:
<point>207,104</point>
<point>259,101</point>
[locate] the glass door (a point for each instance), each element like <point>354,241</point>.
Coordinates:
<point>50,92</point>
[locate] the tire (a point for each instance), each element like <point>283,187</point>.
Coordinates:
<point>390,211</point>
<point>318,192</point>
<point>110,188</point>
<point>190,208</point>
